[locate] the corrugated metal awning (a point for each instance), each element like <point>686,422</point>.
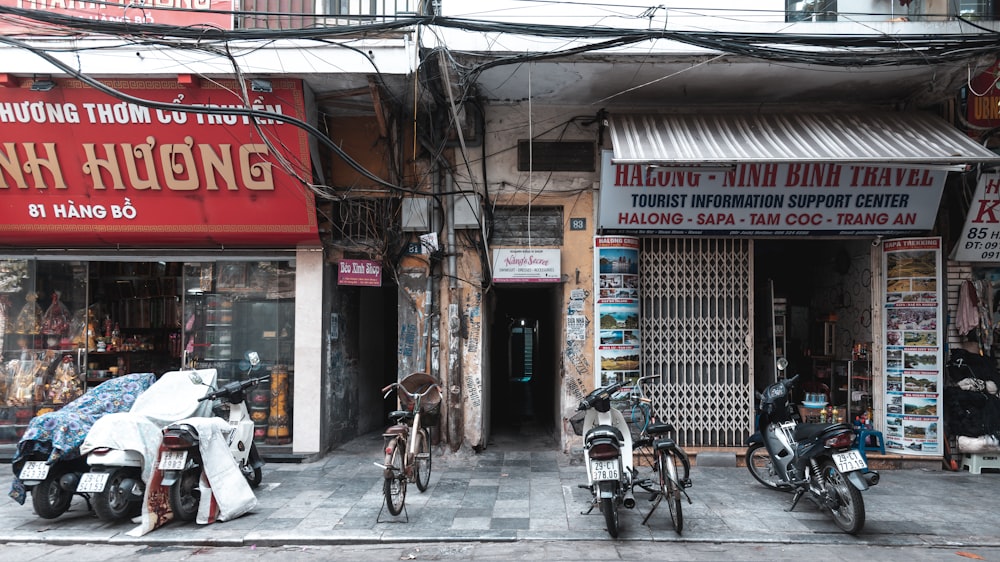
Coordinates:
<point>727,139</point>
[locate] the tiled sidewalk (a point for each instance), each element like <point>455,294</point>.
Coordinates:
<point>507,495</point>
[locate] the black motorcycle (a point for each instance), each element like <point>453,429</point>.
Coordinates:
<point>818,460</point>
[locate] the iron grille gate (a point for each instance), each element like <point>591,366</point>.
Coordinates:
<point>697,325</point>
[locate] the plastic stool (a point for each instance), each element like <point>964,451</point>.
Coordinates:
<point>863,446</point>
<point>976,462</point>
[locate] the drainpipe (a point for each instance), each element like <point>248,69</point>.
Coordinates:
<point>430,340</point>
<point>455,402</point>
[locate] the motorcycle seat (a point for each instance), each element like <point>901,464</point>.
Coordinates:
<point>806,431</point>
<point>659,428</point>
<point>604,432</point>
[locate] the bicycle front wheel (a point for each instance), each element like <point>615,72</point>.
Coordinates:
<point>422,462</point>
<point>671,489</point>
<point>394,487</point>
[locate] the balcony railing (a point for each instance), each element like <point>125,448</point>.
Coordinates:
<point>911,10</point>
<point>299,14</point>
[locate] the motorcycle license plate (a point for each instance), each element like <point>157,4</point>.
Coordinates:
<point>849,461</point>
<point>34,470</point>
<point>92,482</point>
<point>173,460</point>
<point>604,470</point>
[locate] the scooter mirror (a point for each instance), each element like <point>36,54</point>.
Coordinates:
<point>253,358</point>
<point>195,379</point>
<point>782,363</point>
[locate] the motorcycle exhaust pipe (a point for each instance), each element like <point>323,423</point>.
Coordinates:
<point>629,500</point>
<point>871,477</point>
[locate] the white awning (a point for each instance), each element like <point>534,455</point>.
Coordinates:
<point>726,139</point>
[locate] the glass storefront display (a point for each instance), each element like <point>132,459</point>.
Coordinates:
<point>68,325</point>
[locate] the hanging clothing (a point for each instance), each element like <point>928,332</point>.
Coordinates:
<point>967,318</point>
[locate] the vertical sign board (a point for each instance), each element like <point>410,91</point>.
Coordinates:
<point>616,259</point>
<point>980,240</point>
<point>913,334</point>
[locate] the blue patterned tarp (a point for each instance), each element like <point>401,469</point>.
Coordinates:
<point>58,435</point>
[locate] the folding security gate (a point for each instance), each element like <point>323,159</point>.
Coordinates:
<point>697,334</point>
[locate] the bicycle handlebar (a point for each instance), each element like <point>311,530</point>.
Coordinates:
<point>413,395</point>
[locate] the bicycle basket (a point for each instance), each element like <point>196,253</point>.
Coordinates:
<point>430,404</point>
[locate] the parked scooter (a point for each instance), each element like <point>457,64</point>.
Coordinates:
<point>48,462</point>
<point>818,460</point>
<point>181,462</point>
<point>607,452</point>
<point>121,448</point>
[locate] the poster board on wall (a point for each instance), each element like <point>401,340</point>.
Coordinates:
<point>616,260</point>
<point>913,335</point>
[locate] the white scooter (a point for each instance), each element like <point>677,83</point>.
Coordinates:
<point>121,448</point>
<point>607,451</point>
<point>182,461</point>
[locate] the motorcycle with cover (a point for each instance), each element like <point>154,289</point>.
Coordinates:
<point>816,460</point>
<point>48,461</point>
<point>121,448</point>
<point>182,460</point>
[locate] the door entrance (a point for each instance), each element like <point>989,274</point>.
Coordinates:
<point>523,366</point>
<point>823,308</point>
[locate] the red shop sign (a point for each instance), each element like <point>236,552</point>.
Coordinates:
<point>80,168</point>
<point>167,12</point>
<point>983,103</point>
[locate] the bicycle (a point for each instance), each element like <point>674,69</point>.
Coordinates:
<point>408,440</point>
<point>655,443</point>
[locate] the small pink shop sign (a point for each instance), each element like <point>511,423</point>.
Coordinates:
<point>366,273</point>
<point>527,266</point>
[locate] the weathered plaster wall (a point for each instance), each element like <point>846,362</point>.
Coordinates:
<point>576,193</point>
<point>342,360</point>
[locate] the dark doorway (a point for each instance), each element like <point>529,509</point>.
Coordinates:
<point>523,364</point>
<point>823,289</point>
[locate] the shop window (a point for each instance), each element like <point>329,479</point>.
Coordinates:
<point>233,307</point>
<point>556,156</point>
<point>66,326</point>
<point>521,226</point>
<point>978,9</point>
<point>810,10</point>
<point>42,335</point>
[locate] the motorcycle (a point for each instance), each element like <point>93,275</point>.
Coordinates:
<point>607,452</point>
<point>48,462</point>
<point>181,461</point>
<point>121,448</point>
<point>815,460</point>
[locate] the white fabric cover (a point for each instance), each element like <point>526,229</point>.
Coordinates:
<point>171,398</point>
<point>981,444</point>
<point>221,480</point>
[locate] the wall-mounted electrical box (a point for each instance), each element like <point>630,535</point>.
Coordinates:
<point>467,210</point>
<point>416,214</point>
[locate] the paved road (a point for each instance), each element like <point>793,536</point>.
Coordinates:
<point>524,499</point>
<point>550,551</point>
